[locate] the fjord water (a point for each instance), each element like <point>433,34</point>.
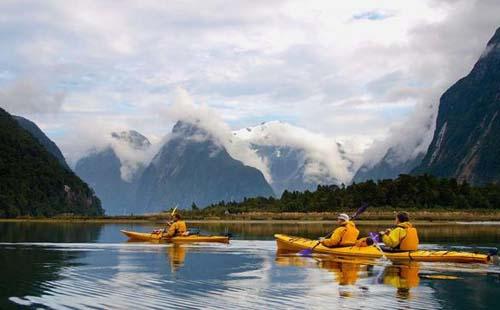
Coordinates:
<point>91,266</point>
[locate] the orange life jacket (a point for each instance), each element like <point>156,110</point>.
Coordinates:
<point>350,235</point>
<point>410,241</point>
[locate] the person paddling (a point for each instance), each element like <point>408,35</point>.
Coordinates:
<point>404,237</point>
<point>176,227</point>
<point>344,235</point>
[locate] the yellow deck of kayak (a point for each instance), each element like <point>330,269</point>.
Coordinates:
<point>139,236</point>
<point>295,244</point>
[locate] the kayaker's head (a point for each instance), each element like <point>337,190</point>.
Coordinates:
<point>402,217</point>
<point>176,217</point>
<point>342,218</point>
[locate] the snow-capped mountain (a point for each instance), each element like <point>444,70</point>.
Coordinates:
<point>297,158</point>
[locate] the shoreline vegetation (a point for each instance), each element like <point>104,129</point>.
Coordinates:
<point>427,198</point>
<point>368,217</point>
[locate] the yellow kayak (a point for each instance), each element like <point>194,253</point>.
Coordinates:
<point>295,244</point>
<point>156,237</point>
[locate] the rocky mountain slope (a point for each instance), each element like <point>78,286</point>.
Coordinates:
<point>192,167</point>
<point>103,170</point>
<point>466,143</point>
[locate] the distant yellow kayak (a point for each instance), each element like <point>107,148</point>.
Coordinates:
<point>155,237</point>
<point>295,244</point>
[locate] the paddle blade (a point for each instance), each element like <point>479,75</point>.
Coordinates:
<point>173,211</point>
<point>306,252</point>
<point>361,209</point>
<point>375,237</point>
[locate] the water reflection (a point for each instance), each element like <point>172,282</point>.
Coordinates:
<point>49,232</point>
<point>25,268</point>
<point>176,255</point>
<point>401,276</point>
<point>99,270</point>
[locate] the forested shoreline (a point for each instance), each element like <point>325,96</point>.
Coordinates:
<point>405,192</point>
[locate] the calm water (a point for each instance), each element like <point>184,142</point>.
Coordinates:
<point>91,266</point>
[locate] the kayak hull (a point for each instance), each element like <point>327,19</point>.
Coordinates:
<point>153,237</point>
<point>295,244</point>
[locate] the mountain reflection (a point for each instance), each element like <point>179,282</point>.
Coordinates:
<point>30,268</point>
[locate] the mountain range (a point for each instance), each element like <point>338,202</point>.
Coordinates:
<point>193,165</point>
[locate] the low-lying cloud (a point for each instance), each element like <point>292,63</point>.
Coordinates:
<point>27,96</point>
<point>184,109</point>
<point>323,160</point>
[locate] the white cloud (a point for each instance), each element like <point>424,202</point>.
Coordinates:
<point>323,161</point>
<point>184,109</point>
<point>351,69</point>
<point>29,96</point>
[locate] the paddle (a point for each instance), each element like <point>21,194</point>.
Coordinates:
<point>360,210</point>
<point>162,231</point>
<point>375,239</point>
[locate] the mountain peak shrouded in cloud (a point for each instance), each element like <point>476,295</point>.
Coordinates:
<point>206,118</point>
<point>298,159</point>
<point>193,167</point>
<point>114,168</point>
<point>133,139</point>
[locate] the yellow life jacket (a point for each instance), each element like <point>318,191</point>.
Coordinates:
<point>350,235</point>
<point>176,229</point>
<point>410,241</point>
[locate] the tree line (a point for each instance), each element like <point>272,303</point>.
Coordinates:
<point>404,192</point>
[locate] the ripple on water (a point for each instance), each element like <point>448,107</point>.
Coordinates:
<point>245,274</point>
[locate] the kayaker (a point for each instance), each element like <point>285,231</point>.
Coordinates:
<point>344,235</point>
<point>404,237</point>
<point>176,228</point>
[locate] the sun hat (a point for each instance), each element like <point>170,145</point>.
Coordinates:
<point>343,216</point>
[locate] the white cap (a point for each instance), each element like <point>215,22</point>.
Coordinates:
<point>343,216</point>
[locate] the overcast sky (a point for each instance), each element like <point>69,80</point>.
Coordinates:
<point>345,69</point>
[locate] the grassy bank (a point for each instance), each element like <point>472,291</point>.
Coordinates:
<point>200,216</point>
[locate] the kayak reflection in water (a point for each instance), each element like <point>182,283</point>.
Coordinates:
<point>403,277</point>
<point>347,272</point>
<point>176,255</point>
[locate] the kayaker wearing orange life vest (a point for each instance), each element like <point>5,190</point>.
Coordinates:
<point>344,235</point>
<point>404,237</point>
<point>176,227</point>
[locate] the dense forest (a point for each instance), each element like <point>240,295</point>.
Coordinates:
<point>409,192</point>
<point>33,182</point>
